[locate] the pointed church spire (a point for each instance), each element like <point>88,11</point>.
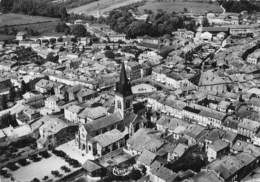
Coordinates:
<point>123,87</point>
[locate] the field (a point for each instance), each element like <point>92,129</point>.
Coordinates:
<point>18,19</point>
<point>20,22</point>
<point>178,6</point>
<point>72,3</point>
<point>102,5</point>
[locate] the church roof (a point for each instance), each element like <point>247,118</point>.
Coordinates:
<point>123,87</point>
<point>104,122</point>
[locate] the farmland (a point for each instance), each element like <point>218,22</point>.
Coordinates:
<point>12,19</point>
<point>101,5</point>
<point>178,6</point>
<point>20,22</point>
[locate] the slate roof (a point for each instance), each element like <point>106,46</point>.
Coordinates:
<point>123,87</point>
<point>108,138</point>
<point>146,139</point>
<point>91,166</point>
<point>104,122</point>
<point>166,174</point>
<point>147,157</point>
<point>218,145</point>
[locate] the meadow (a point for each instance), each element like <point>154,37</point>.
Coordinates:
<point>178,6</point>
<point>11,19</point>
<point>20,22</point>
<point>101,5</point>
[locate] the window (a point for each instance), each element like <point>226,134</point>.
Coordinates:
<point>89,148</point>
<point>119,105</point>
<point>127,104</point>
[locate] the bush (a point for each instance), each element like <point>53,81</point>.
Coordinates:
<point>109,54</point>
<point>79,31</point>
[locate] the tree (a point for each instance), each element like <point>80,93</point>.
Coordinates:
<point>63,13</point>
<point>205,22</point>
<point>7,5</point>
<point>52,58</point>
<point>12,94</point>
<point>110,54</point>
<point>4,102</point>
<point>79,31</point>
<point>23,87</point>
<point>62,27</point>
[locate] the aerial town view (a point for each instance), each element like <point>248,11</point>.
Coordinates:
<point>129,91</point>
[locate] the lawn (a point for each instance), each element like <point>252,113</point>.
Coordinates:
<point>194,7</point>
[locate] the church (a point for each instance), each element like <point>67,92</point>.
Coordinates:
<point>109,133</point>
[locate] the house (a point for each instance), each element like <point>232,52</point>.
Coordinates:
<point>44,86</point>
<point>223,106</point>
<point>35,101</point>
<point>115,37</point>
<point>183,33</point>
<point>234,168</point>
<point>214,30</point>
<point>85,94</point>
<point>193,133</point>
<point>254,57</point>
<point>93,169</point>
<point>134,70</point>
<point>103,144</point>
<point>256,139</point>
<point>72,92</point>
<point>230,137</point>
<point>50,128</point>
<point>52,105</point>
<point>254,103</point>
<point>71,113</point>
<point>5,85</point>
<point>7,65</point>
<point>206,36</point>
<point>147,158</point>
<point>240,30</point>
<point>230,123</point>
<point>205,176</point>
<point>179,150</point>
<point>163,174</point>
<point>248,128</point>
<point>169,77</point>
<point>151,140</point>
<point>217,149</point>
<point>171,125</point>
<point>28,115</point>
<point>21,35</point>
<point>16,133</point>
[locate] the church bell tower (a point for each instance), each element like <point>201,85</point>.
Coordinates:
<point>123,95</point>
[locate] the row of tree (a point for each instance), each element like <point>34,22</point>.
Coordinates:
<point>157,24</point>
<point>76,30</point>
<point>34,7</point>
<point>238,6</point>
